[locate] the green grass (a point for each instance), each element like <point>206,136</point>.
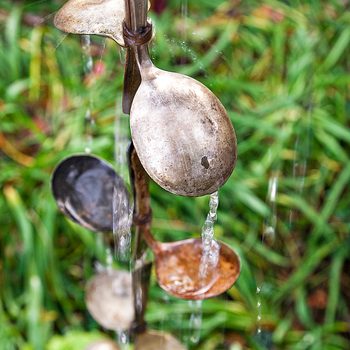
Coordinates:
<point>282,71</point>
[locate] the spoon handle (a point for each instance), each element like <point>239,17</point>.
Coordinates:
<point>132,80</point>
<point>135,18</point>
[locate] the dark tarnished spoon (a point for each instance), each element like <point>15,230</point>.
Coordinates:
<point>178,268</point>
<point>181,131</point>
<point>83,186</point>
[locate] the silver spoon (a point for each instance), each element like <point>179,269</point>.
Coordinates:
<point>181,131</point>
<point>95,17</point>
<point>100,17</point>
<point>109,299</point>
<point>83,187</point>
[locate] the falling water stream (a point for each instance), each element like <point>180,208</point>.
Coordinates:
<point>88,63</point>
<point>211,249</point>
<point>122,210</point>
<point>268,237</point>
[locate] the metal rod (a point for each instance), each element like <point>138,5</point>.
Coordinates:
<point>135,18</point>
<point>142,221</point>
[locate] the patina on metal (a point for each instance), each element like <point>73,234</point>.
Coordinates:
<point>109,300</point>
<point>180,129</point>
<point>99,17</point>
<point>83,187</point>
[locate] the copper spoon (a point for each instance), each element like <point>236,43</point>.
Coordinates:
<point>178,268</point>
<point>181,131</point>
<point>83,187</point>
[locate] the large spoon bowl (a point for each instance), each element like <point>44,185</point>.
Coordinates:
<point>83,186</point>
<point>180,130</point>
<point>182,133</point>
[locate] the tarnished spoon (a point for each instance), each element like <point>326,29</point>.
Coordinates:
<point>99,17</point>
<point>95,17</point>
<point>109,299</point>
<point>181,131</point>
<point>83,186</point>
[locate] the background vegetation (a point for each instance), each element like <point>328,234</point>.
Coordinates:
<point>281,68</point>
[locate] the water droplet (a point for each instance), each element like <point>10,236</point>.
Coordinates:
<point>195,320</point>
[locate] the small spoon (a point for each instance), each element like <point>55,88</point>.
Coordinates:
<point>83,186</point>
<point>178,268</point>
<point>181,131</point>
<point>109,299</point>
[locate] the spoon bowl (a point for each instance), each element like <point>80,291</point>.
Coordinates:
<point>109,299</point>
<point>178,268</point>
<point>194,151</point>
<point>180,130</point>
<point>83,186</point>
<point>100,17</point>
<point>151,340</point>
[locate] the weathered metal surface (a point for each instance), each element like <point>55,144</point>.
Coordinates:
<point>181,131</point>
<point>83,186</point>
<point>109,299</point>
<point>100,17</point>
<point>152,340</point>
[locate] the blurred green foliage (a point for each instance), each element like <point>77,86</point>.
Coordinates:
<point>281,68</point>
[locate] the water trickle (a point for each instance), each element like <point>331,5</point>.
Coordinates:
<point>87,57</point>
<point>122,210</point>
<point>269,228</point>
<point>184,15</point>
<point>123,339</point>
<point>88,64</point>
<point>211,249</point>
<point>195,323</point>
<point>61,40</point>
<point>258,308</point>
<point>122,55</point>
<point>268,237</point>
